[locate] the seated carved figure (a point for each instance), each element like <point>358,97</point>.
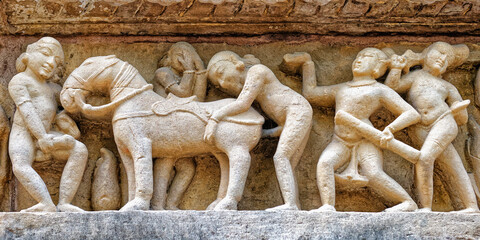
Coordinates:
<point>32,136</point>
<point>355,139</point>
<point>182,73</point>
<point>441,108</point>
<point>250,81</point>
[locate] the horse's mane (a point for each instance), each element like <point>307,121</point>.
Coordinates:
<point>100,60</point>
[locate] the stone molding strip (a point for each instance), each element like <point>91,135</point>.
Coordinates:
<point>231,17</point>
<point>238,225</point>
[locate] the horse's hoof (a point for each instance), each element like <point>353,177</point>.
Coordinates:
<point>407,206</point>
<point>136,204</point>
<point>214,204</point>
<point>226,204</point>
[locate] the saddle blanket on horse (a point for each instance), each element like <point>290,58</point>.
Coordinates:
<point>175,104</point>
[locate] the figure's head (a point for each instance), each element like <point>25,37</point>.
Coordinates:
<point>181,50</point>
<point>370,62</point>
<point>226,70</point>
<point>441,55</point>
<point>44,58</point>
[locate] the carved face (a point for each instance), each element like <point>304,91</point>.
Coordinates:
<point>436,61</point>
<point>230,77</point>
<point>43,62</point>
<point>364,64</point>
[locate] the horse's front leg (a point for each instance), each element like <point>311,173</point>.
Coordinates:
<point>162,172</point>
<point>141,150</point>
<point>129,170</point>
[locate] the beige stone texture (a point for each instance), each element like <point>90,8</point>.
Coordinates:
<point>332,56</point>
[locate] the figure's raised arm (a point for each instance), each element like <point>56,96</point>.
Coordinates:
<point>316,95</point>
<point>394,79</point>
<point>166,78</point>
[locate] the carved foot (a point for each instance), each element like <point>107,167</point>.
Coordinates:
<point>214,204</point>
<point>41,207</point>
<point>174,208</point>
<point>325,208</point>
<point>226,204</point>
<point>137,204</point>
<point>69,208</point>
<point>427,210</point>
<point>284,207</point>
<point>407,206</point>
<point>467,210</point>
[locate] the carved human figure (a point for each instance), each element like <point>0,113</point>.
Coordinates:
<point>182,73</point>
<point>441,109</point>
<point>251,81</point>
<point>357,99</point>
<point>36,100</point>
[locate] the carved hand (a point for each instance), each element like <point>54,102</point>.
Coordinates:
<point>386,136</point>
<point>46,143</point>
<point>186,62</point>
<point>293,62</point>
<point>209,135</point>
<point>398,62</point>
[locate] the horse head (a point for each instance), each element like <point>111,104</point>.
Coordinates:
<point>94,75</point>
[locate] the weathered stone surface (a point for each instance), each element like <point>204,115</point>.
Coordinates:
<point>173,17</point>
<point>238,225</point>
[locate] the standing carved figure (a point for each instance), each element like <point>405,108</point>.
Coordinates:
<point>32,135</point>
<point>358,100</point>
<point>249,81</point>
<point>182,73</point>
<point>441,109</point>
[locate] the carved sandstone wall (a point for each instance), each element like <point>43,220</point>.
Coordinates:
<point>333,57</point>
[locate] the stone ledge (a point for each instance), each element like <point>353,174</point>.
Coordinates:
<point>238,225</point>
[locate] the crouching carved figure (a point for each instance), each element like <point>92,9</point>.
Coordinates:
<point>146,125</point>
<point>32,136</point>
<point>355,140</point>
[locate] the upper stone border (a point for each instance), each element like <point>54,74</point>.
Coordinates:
<point>230,17</point>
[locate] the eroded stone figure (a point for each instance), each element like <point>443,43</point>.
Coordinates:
<point>105,186</point>
<point>441,109</point>
<point>147,125</point>
<point>355,139</point>
<point>32,135</point>
<point>182,73</point>
<point>251,81</point>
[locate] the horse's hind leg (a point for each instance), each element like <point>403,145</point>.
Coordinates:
<point>141,151</point>
<point>163,169</point>
<point>224,172</point>
<point>239,165</point>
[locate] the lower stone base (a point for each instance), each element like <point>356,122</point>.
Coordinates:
<point>238,225</point>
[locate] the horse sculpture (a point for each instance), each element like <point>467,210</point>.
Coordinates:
<point>146,126</point>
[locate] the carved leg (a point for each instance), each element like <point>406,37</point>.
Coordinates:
<point>129,170</point>
<point>451,163</point>
<point>22,153</point>
<point>239,166</point>
<point>184,173</point>
<point>71,177</point>
<point>370,159</point>
<point>224,175</point>
<point>163,169</point>
<point>334,156</point>
<point>437,140</point>
<point>142,154</point>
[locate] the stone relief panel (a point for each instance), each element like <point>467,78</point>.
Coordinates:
<point>209,168</point>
